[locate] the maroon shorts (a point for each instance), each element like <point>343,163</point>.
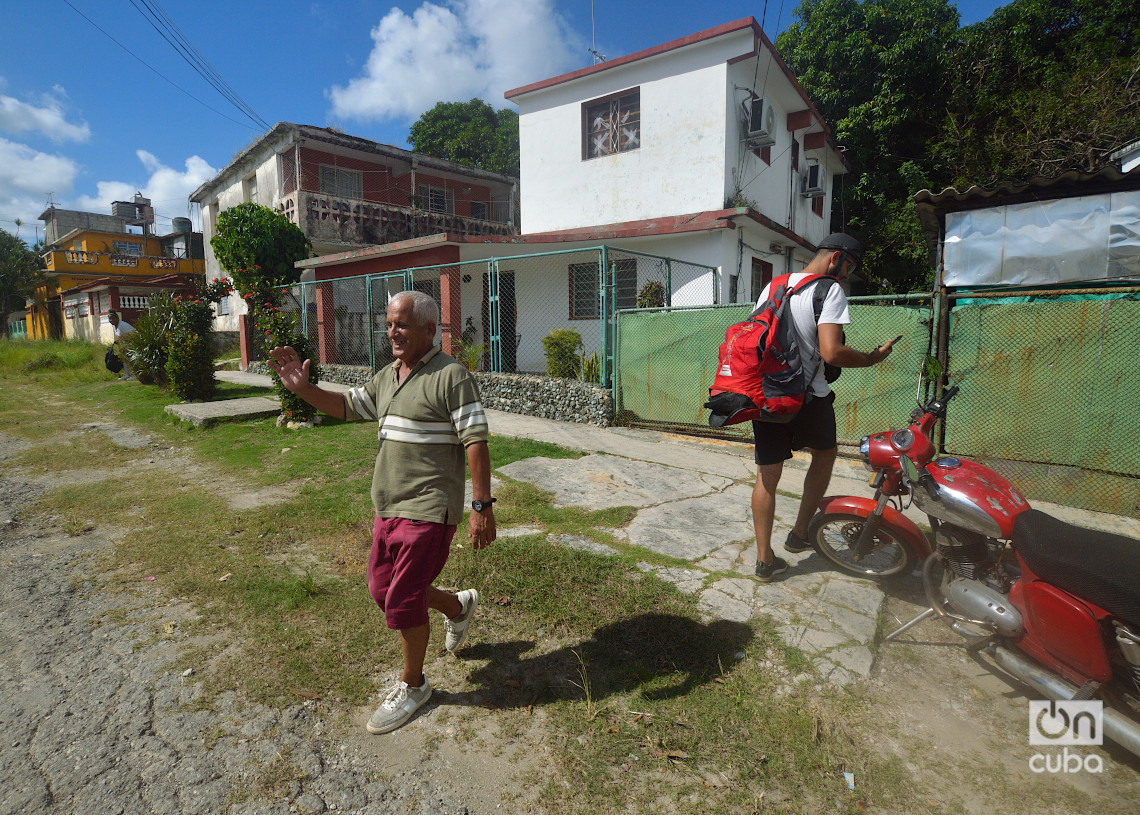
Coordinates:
<point>406,557</point>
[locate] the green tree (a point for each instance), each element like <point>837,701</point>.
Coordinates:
<point>1043,87</point>
<point>21,269</point>
<point>257,247</point>
<point>878,72</point>
<point>471,133</point>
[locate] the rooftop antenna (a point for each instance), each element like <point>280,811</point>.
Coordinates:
<point>593,42</point>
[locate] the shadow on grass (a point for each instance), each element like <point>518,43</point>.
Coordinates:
<point>662,656</point>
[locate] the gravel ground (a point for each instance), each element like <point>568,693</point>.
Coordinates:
<point>96,719</point>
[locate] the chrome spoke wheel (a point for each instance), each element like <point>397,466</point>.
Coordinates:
<point>835,536</point>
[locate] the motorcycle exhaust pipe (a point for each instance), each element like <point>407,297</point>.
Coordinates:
<point>1117,727</point>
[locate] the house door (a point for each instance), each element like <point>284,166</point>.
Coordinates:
<point>509,340</point>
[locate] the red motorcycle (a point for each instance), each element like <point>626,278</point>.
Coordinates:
<point>1055,605</point>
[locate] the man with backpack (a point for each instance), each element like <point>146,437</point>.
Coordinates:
<point>818,321</point>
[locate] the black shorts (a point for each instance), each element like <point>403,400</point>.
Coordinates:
<point>814,427</point>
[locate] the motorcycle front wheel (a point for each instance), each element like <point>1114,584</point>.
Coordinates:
<point>834,536</point>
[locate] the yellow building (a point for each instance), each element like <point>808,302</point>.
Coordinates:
<point>95,266</point>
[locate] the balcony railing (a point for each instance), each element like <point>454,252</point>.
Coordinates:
<point>344,220</point>
<point>79,258</point>
<point>87,263</point>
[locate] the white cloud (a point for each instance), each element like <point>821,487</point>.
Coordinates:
<point>47,118</point>
<point>26,177</point>
<point>473,48</point>
<point>166,187</point>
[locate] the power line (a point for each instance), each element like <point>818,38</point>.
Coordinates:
<point>166,28</point>
<point>154,70</point>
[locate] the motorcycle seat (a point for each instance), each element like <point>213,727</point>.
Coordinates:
<point>1099,567</point>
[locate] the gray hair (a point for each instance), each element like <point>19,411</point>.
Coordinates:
<point>424,307</point>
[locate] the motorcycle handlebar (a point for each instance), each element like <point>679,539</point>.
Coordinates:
<point>950,394</point>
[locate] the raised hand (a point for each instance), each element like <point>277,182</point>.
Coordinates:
<point>287,365</point>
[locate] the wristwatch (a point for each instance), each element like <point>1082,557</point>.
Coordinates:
<point>479,506</point>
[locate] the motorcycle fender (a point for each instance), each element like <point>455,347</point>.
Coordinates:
<point>898,523</point>
<point>1061,631</point>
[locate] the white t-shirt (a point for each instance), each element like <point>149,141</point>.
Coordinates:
<point>123,328</point>
<point>807,334</point>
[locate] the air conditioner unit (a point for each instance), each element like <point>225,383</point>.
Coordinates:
<point>760,124</point>
<point>814,180</point>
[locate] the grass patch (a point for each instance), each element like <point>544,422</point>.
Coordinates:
<point>645,701</point>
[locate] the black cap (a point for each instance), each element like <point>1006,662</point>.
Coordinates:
<point>844,243</point>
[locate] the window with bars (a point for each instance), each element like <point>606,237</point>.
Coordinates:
<point>436,199</point>
<point>479,210</point>
<point>612,124</point>
<point>586,300</point>
<point>341,183</point>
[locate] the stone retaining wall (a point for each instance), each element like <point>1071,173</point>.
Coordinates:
<point>567,400</point>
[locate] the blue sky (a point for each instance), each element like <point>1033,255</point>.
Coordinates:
<point>86,122</point>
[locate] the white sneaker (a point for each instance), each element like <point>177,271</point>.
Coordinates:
<point>402,701</point>
<point>457,626</point>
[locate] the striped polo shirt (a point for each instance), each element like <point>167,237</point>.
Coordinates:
<point>425,425</point>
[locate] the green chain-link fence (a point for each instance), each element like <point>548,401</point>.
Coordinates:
<point>667,360</point>
<point>501,309</point>
<point>1049,390</point>
<point>1050,394</point>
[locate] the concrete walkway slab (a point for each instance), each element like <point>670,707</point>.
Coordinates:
<point>204,414</point>
<point>601,481</point>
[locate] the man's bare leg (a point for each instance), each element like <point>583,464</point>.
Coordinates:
<point>764,508</point>
<point>815,487</point>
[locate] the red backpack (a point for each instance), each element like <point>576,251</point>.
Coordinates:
<point>759,374</point>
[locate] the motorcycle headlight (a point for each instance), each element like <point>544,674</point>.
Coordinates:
<point>865,452</point>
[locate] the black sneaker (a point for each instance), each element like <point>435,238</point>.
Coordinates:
<point>795,544</point>
<point>766,571</point>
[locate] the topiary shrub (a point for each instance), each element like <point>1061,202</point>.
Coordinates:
<point>258,247</point>
<point>562,347</point>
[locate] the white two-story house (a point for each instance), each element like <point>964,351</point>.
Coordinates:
<point>704,149</point>
<point>711,129</point>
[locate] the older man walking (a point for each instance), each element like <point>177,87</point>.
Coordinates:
<point>430,419</point>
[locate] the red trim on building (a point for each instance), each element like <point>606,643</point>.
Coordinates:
<point>692,39</point>
<point>798,120</point>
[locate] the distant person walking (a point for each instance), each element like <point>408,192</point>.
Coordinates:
<point>121,327</point>
<point>430,419</point>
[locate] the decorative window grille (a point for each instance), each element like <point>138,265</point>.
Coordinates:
<point>586,301</point>
<point>613,125</point>
<point>341,183</point>
<point>224,306</point>
<point>84,308</point>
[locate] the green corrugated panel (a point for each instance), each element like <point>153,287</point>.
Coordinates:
<point>1052,385</point>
